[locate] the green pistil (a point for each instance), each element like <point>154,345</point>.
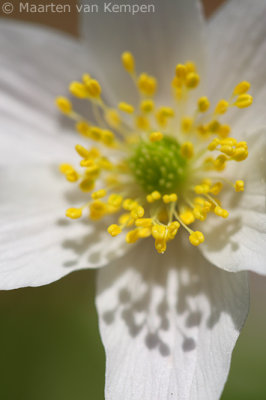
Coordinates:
<point>158,165</point>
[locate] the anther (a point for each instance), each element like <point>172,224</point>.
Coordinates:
<point>192,80</point>
<point>155,136</point>
<point>99,194</point>
<point>170,198</point>
<point>241,88</point>
<point>187,150</point>
<point>94,88</point>
<point>147,84</point>
<point>221,212</point>
<point>147,106</point>
<point>239,186</point>
<point>114,230</point>
<point>243,101</point>
<point>78,90</point>
<point>196,238</point>
<point>128,62</point>
<point>74,213</point>
<point>221,107</point>
<point>125,107</point>
<point>203,104</point>
<point>64,105</point>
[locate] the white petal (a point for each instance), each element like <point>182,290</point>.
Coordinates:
<point>237,39</point>
<point>239,242</point>
<point>38,243</point>
<point>169,324</point>
<point>159,40</point>
<point>37,65</point>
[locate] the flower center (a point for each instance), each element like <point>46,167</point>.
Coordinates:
<point>158,165</point>
<point>172,158</point>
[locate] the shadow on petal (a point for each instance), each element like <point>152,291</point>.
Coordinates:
<point>165,300</point>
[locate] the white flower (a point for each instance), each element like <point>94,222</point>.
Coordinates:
<point>168,322</point>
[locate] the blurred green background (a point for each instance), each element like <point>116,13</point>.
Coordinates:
<point>50,346</point>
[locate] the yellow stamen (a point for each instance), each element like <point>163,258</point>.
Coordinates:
<point>113,118</point>
<point>170,198</point>
<point>186,124</point>
<point>125,107</point>
<point>83,128</point>
<point>142,123</point>
<point>82,151</point>
<point>128,62</point>
<point>244,100</point>
<point>78,90</point>
<point>156,136</point>
<point>221,212</point>
<point>153,196</point>
<point>203,104</point>
<point>192,80</point>
<point>161,186</point>
<point>74,213</point>
<point>239,186</point>
<point>99,194</point>
<point>181,71</point>
<point>147,84</point>
<point>187,150</point>
<point>221,107</point>
<point>64,105</point>
<point>147,106</point>
<point>241,88</point>
<point>196,238</point>
<point>114,230</point>
<point>137,212</point>
<point>94,88</point>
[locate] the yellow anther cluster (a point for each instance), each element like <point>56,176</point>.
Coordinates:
<point>186,124</point>
<point>163,234</point>
<point>128,62</point>
<point>142,123</point>
<point>187,150</point>
<point>196,238</point>
<point>156,136</point>
<point>186,78</point>
<point>147,84</point>
<point>221,107</point>
<point>187,217</point>
<point>64,105</point>
<point>114,230</point>
<point>147,106</point>
<point>231,149</point>
<point>94,88</point>
<point>221,212</point>
<point>241,88</point>
<point>74,213</point>
<point>127,108</point>
<point>83,128</point>
<point>79,90</point>
<point>192,80</point>
<point>154,180</point>
<point>203,104</point>
<point>170,198</point>
<point>113,118</point>
<point>99,194</point>
<point>239,186</point>
<point>69,172</point>
<point>89,88</point>
<point>163,114</point>
<point>153,196</point>
<point>243,100</point>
